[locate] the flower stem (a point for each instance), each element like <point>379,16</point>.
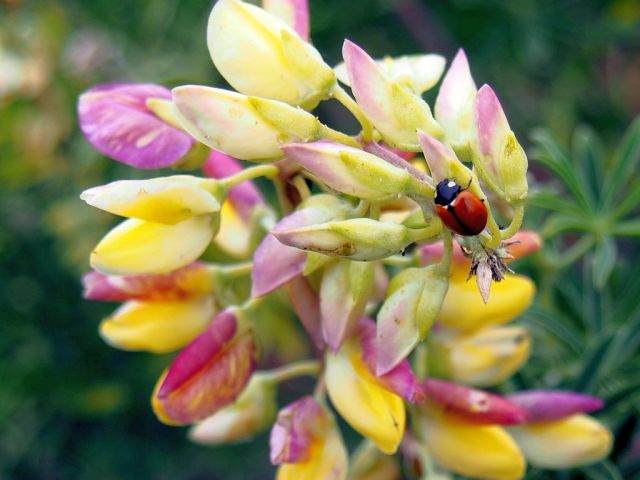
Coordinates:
<point>293,370</point>
<point>249,174</point>
<point>430,231</point>
<point>516,222</point>
<point>236,269</point>
<point>329,133</point>
<point>349,103</point>
<point>301,186</point>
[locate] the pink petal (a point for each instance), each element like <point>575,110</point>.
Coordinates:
<point>549,405</point>
<point>401,379</point>
<point>117,122</point>
<point>437,155</point>
<point>306,303</point>
<point>455,84</point>
<point>294,12</point>
<point>209,373</point>
<point>475,405</point>
<point>187,282</point>
<point>297,426</point>
<point>491,122</point>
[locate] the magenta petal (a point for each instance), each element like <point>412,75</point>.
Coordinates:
<point>117,122</point>
<point>400,379</point>
<point>295,429</point>
<point>306,303</point>
<point>244,196</point>
<point>475,405</point>
<point>549,405</point>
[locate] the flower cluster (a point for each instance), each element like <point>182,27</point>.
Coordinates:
<point>389,223</point>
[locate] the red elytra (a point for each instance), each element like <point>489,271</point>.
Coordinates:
<point>460,210</point>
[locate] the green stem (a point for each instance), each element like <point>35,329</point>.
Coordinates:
<point>361,209</point>
<point>236,269</point>
<point>350,104</point>
<point>250,173</point>
<point>301,186</point>
<point>516,223</point>
<point>447,254</point>
<point>495,236</point>
<point>293,370</point>
<point>430,231</point>
<point>328,133</point>
<point>399,261</point>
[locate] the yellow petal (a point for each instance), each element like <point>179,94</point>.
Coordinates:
<point>327,461</point>
<point>157,327</point>
<point>477,451</point>
<point>234,236</point>
<point>164,200</point>
<point>570,442</point>
<point>372,410</point>
<point>463,308</point>
<point>136,247</point>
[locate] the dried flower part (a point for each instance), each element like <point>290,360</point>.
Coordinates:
<point>502,156</point>
<point>356,172</point>
<point>466,448</point>
<point>395,110</point>
<point>454,105</point>
<point>345,289</point>
<point>188,282</point>
<point>223,120</point>
<point>116,120</point>
<point>208,374</point>
<point>413,303</point>
<point>570,442</point>
<point>474,405</point>
<point>362,400</point>
<point>258,54</point>
<point>167,200</point>
<point>294,13</point>
<point>464,310</point>
<point>136,247</point>
<point>418,73</point>
<point>550,405</point>
<point>157,327</point>
<point>481,359</point>
<point>253,412</point>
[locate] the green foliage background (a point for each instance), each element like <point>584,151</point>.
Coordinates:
<point>71,407</point>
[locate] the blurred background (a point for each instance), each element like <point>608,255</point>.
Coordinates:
<point>71,407</point>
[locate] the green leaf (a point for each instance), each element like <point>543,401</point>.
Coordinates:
<point>605,470</point>
<point>588,160</point>
<point>549,153</point>
<point>559,223</point>
<point>604,259</point>
<point>630,202</point>
<point>627,229</point>
<point>624,164</point>
<point>554,202</point>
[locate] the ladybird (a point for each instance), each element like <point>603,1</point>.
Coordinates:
<point>459,209</point>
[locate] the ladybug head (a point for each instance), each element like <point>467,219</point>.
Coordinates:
<point>446,192</point>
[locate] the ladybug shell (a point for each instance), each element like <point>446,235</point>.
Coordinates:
<point>465,214</point>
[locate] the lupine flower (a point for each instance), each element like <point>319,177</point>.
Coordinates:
<point>333,252</point>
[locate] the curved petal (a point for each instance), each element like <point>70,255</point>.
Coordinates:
<point>549,405</point>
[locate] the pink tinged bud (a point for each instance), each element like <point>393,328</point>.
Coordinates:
<point>244,196</point>
<point>294,13</point>
<point>474,405</point>
<point>344,292</point>
<point>187,282</point>
<point>117,122</point>
<point>306,303</point>
<point>294,431</point>
<point>443,163</point>
<point>492,123</point>
<point>549,405</point>
<point>394,109</point>
<point>208,374</point>
<point>400,380</point>
<point>454,104</point>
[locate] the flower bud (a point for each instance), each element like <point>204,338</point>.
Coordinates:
<point>571,442</point>
<point>418,73</point>
<point>345,289</point>
<point>482,359</point>
<point>362,401</point>
<point>549,405</point>
<point>223,120</point>
<point>253,412</point>
<point>117,121</point>
<point>395,111</point>
<point>413,301</point>
<point>356,172</point>
<point>464,310</point>
<point>167,200</point>
<point>356,238</point>
<point>469,449</point>
<point>136,247</point>
<point>157,327</point>
<point>258,54</point>
<point>306,443</point>
<point>454,106</point>
<point>185,283</point>
<point>208,374</point>
<point>503,159</point>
